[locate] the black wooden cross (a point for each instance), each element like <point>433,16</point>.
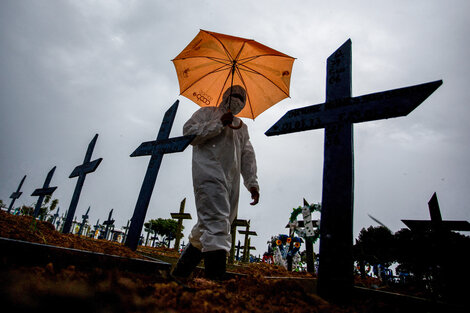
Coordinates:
<point>156,149</point>
<point>180,217</point>
<point>109,222</point>
<point>44,191</point>
<point>233,232</point>
<point>238,250</point>
<point>246,247</point>
<point>84,220</point>
<point>81,171</point>
<point>436,223</point>
<point>96,227</point>
<point>16,194</point>
<point>337,116</point>
<point>55,216</point>
<point>126,229</point>
<point>61,221</point>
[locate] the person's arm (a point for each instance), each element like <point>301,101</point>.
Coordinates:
<point>249,170</point>
<point>205,124</point>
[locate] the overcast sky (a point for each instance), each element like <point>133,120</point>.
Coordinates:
<point>73,69</point>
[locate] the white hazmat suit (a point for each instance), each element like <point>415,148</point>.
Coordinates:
<point>220,155</point>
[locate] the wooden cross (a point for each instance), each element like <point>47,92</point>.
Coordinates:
<point>436,223</point>
<point>96,227</point>
<point>156,149</point>
<point>233,231</point>
<point>84,220</point>
<point>180,217</point>
<point>238,250</point>
<point>108,223</point>
<point>248,249</point>
<point>55,216</point>
<point>81,171</point>
<point>44,191</point>
<point>126,229</point>
<point>16,194</point>
<point>246,246</point>
<point>337,115</point>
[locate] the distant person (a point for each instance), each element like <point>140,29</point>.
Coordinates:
<point>220,154</point>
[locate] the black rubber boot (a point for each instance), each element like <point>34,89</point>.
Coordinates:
<point>189,259</point>
<point>215,264</point>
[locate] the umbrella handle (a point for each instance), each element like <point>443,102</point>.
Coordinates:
<point>236,127</point>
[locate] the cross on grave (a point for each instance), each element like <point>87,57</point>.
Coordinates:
<point>246,257</point>
<point>233,231</point>
<point>81,171</point>
<point>126,229</point>
<point>148,230</point>
<point>436,223</point>
<point>44,191</point>
<point>96,227</point>
<point>84,220</point>
<point>55,216</point>
<point>61,221</point>
<point>308,244</point>
<point>180,217</point>
<point>337,116</point>
<point>109,222</point>
<point>247,233</point>
<point>155,237</point>
<point>156,149</point>
<point>16,194</point>
<point>73,224</point>
<point>238,250</point>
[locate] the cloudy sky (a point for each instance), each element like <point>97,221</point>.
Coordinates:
<point>73,69</point>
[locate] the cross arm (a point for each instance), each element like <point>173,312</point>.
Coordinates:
<point>251,233</point>
<point>185,216</point>
<point>375,106</point>
<point>421,225</point>
<point>86,168</point>
<point>170,145</point>
<point>44,191</point>
<point>16,195</point>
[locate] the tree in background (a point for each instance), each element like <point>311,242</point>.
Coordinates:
<point>166,228</point>
<point>375,247</point>
<point>438,261</point>
<point>46,209</point>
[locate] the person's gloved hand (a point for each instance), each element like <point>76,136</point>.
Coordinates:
<point>254,195</point>
<point>227,118</point>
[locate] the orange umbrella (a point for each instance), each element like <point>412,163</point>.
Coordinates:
<point>213,62</point>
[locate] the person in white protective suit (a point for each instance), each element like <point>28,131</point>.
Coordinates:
<point>220,154</point>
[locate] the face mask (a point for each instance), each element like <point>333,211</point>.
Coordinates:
<point>236,105</point>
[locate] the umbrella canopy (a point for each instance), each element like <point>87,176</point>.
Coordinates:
<point>214,62</point>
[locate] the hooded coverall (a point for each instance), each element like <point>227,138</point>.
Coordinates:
<point>220,155</point>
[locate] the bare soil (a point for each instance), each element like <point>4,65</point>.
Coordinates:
<point>56,288</point>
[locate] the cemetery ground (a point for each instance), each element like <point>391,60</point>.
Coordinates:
<point>69,283</point>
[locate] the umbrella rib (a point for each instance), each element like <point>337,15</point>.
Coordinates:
<point>223,46</point>
<point>258,73</point>
<point>240,51</point>
<point>220,60</point>
<point>222,68</point>
<point>246,91</point>
<point>251,58</point>
<point>222,89</point>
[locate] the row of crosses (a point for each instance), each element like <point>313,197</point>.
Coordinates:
<point>336,115</point>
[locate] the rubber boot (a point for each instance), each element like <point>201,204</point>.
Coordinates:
<point>215,264</point>
<point>189,259</point>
